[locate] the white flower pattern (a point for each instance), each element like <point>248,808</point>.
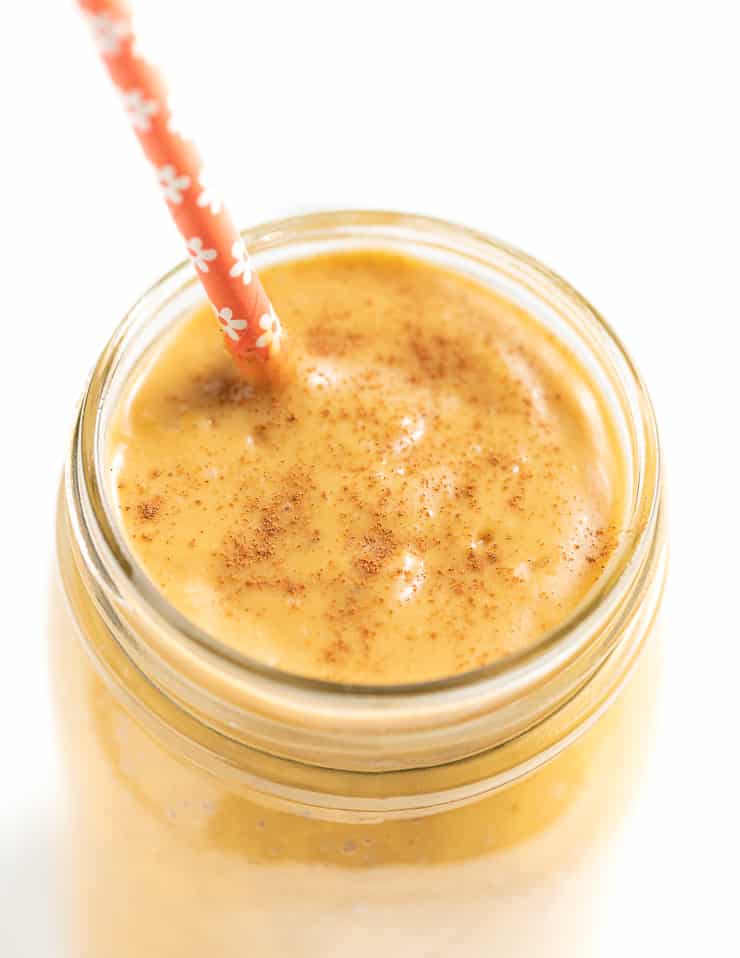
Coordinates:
<point>209,196</point>
<point>231,326</point>
<point>107,32</point>
<point>116,35</point>
<point>172,185</point>
<point>140,110</point>
<point>243,264</point>
<point>200,257</point>
<point>272,332</point>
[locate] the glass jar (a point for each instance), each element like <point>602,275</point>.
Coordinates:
<point>220,807</point>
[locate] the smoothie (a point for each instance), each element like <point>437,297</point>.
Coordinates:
<point>438,484</point>
<point>435,488</point>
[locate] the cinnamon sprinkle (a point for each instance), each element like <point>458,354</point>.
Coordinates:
<point>412,502</point>
<point>149,509</point>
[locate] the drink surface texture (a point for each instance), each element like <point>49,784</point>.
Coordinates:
<point>435,488</point>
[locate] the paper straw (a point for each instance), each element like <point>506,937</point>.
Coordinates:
<point>250,326</point>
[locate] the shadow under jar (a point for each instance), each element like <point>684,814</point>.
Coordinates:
<point>219,807</point>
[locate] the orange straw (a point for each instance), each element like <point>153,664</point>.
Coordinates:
<point>249,323</point>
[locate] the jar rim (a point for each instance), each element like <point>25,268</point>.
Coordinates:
<point>120,579</point>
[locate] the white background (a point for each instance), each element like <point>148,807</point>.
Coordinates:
<point>600,137</point>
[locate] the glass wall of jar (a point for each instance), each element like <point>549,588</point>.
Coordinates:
<point>218,806</point>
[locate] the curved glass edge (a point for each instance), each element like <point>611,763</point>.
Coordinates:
<point>122,584</point>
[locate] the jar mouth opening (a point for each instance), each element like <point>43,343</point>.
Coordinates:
<point>119,574</point>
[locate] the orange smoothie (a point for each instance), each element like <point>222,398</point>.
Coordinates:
<point>343,663</point>
<point>435,488</point>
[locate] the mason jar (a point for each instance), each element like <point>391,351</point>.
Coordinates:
<point>219,807</point>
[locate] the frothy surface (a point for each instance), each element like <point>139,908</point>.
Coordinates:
<point>436,488</point>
